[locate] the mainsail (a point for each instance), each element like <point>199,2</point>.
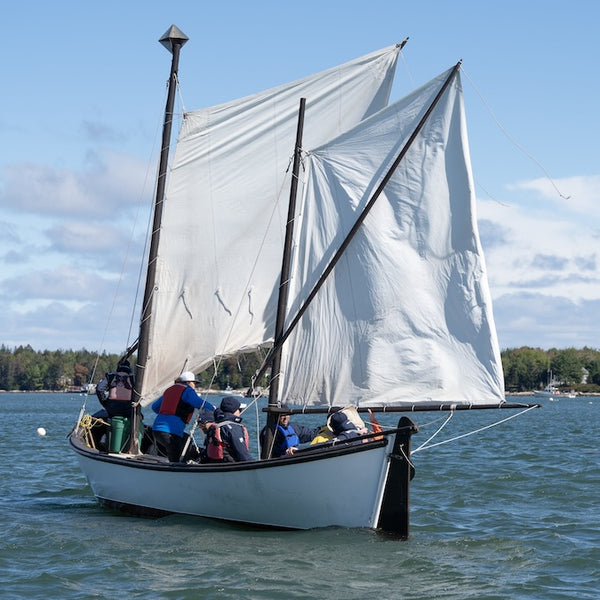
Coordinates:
<point>405,316</point>
<point>225,209</point>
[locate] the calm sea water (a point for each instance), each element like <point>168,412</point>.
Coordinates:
<point>510,513</point>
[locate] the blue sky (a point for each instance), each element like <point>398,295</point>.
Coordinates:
<point>84,91</point>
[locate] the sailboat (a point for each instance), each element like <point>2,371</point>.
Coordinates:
<point>338,235</point>
<point>550,391</point>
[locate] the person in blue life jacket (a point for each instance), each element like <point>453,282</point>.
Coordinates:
<point>286,436</point>
<point>174,411</point>
<point>226,438</point>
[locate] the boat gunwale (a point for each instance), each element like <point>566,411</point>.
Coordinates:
<point>304,456</point>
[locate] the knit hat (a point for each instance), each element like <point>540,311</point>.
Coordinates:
<point>229,404</point>
<point>337,422</point>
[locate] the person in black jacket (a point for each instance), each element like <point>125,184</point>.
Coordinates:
<point>344,429</point>
<point>115,391</point>
<point>226,438</point>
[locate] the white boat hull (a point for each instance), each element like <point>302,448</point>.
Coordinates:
<point>342,487</point>
<point>551,394</point>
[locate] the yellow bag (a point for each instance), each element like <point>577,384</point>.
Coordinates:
<point>324,435</point>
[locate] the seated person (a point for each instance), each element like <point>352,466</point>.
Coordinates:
<point>343,428</point>
<point>226,438</point>
<point>286,436</point>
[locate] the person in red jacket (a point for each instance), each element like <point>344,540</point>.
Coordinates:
<point>174,411</point>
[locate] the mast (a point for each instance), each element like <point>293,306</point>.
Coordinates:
<point>284,282</point>
<point>173,40</point>
<point>278,342</point>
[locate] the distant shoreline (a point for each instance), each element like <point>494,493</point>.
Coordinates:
<point>241,392</point>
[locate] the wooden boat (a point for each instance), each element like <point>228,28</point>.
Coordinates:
<point>360,272</point>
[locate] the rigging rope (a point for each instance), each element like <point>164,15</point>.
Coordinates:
<point>139,284</point>
<point>458,437</point>
<point>424,444</point>
<point>512,140</point>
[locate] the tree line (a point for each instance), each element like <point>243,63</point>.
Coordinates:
<point>525,369</point>
<point>528,369</point>
<point>27,370</point>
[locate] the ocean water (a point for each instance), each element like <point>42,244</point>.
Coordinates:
<point>511,512</point>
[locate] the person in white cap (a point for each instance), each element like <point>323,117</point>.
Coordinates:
<point>174,411</point>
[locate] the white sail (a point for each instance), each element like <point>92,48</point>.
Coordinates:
<point>406,314</point>
<point>225,209</point>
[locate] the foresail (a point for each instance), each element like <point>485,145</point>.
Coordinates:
<point>224,215</point>
<point>406,314</point>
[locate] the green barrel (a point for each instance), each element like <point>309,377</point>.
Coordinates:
<point>120,434</point>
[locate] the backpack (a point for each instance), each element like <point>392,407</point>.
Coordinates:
<point>120,386</point>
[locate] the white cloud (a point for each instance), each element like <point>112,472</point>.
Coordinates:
<point>60,325</point>
<point>580,194</point>
<point>542,257</point>
<point>536,249</point>
<point>87,237</point>
<point>70,252</point>
<point>546,321</point>
<point>63,283</point>
<point>109,185</point>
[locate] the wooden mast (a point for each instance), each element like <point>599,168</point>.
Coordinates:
<point>172,40</point>
<point>340,251</point>
<point>284,285</point>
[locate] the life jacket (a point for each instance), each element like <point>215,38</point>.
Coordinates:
<point>216,448</point>
<point>172,404</point>
<point>375,425</point>
<point>120,385</point>
<point>290,438</point>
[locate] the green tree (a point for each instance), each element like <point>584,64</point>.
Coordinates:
<point>567,366</point>
<point>32,378</point>
<point>524,368</point>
